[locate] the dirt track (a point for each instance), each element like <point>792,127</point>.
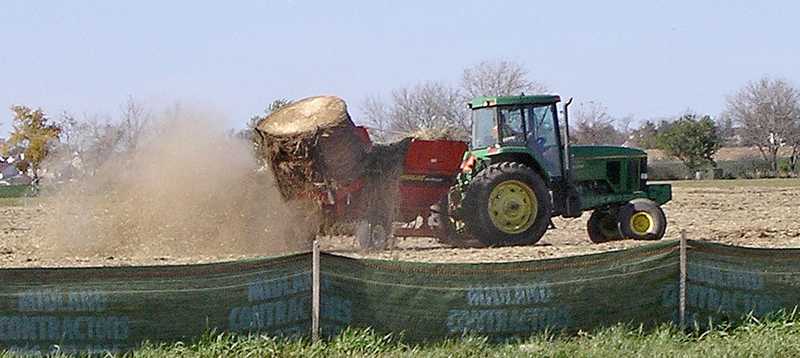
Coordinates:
<point>748,213</point>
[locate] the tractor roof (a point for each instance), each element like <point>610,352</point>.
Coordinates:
<point>514,100</point>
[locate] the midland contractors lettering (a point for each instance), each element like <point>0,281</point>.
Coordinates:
<point>282,307</point>
<point>715,288</point>
<point>279,306</point>
<point>512,309</point>
<point>72,319</point>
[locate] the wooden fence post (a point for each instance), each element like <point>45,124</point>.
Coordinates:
<point>315,292</point>
<point>682,283</point>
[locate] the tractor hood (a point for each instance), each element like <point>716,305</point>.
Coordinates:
<point>605,152</point>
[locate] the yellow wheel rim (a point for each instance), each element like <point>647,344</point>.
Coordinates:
<point>513,206</point>
<point>642,223</point>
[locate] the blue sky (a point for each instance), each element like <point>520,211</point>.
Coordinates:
<point>642,58</point>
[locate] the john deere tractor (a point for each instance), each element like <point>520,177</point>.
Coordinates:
<point>521,171</point>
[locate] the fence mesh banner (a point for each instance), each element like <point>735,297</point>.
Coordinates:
<point>116,308</point>
<point>727,282</point>
<point>430,301</point>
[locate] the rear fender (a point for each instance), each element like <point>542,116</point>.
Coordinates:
<point>528,159</point>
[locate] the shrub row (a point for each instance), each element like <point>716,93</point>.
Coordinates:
<point>752,168</point>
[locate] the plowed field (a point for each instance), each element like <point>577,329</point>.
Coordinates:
<point>757,213</point>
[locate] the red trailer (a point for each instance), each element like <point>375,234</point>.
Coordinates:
<point>429,169</point>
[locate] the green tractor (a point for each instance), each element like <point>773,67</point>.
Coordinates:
<point>521,171</point>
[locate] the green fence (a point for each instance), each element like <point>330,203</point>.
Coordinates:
<point>727,282</point>
<point>117,308</point>
<point>432,301</point>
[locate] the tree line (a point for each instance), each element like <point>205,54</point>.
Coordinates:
<point>66,140</point>
<point>764,114</point>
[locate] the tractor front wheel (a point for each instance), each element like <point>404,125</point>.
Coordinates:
<point>507,204</point>
<point>602,227</point>
<point>642,219</point>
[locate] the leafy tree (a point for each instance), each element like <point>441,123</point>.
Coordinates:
<point>645,136</point>
<point>692,139</point>
<point>34,133</point>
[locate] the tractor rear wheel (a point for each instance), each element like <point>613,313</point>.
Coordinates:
<point>602,227</point>
<point>642,219</point>
<point>507,204</point>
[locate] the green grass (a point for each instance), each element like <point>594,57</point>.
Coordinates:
<point>738,183</point>
<point>773,337</point>
<point>15,191</point>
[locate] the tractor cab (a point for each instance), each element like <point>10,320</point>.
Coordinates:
<point>522,125</point>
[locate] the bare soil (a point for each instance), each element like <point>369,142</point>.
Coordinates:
<point>756,213</point>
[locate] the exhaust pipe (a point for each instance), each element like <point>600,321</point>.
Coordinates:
<point>572,203</point>
<point>568,158</point>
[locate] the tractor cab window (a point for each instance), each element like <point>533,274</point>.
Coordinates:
<point>512,126</point>
<point>543,137</point>
<point>484,128</point>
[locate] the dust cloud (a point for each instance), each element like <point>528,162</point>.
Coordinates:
<point>188,190</point>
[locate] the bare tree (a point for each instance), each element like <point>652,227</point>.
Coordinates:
<point>88,143</point>
<point>593,125</point>
<point>430,109</point>
<point>430,105</point>
<point>133,124</point>
<point>768,111</point>
<point>376,118</point>
<point>85,144</point>
<point>794,141</point>
<point>498,78</point>
<point>436,109</point>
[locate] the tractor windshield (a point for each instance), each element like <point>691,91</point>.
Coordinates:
<point>484,128</point>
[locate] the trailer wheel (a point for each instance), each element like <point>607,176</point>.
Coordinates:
<point>447,231</point>
<point>602,227</point>
<point>507,204</point>
<point>443,224</point>
<point>642,219</point>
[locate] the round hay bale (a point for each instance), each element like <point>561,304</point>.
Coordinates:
<point>311,141</point>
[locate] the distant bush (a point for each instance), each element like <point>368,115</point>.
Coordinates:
<point>749,168</point>
<point>667,170</point>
